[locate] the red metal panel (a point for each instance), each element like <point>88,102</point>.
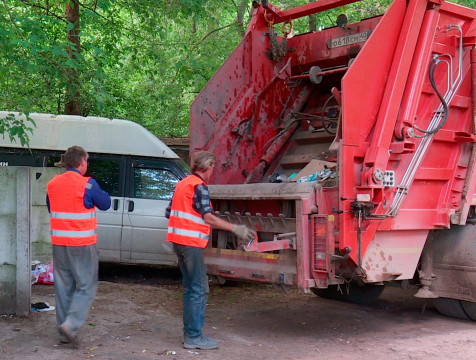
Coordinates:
<point>393,255</point>
<point>375,157</point>
<point>348,235</point>
<point>308,9</point>
<point>469,192</point>
<point>418,72</point>
<point>432,188</point>
<point>462,13</point>
<point>259,267</point>
<point>412,219</point>
<point>312,49</point>
<point>231,96</point>
<point>369,71</point>
<point>303,259</point>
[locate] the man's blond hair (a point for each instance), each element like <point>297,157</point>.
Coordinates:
<point>202,161</point>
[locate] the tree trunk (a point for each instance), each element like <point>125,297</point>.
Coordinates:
<point>240,13</point>
<point>73,96</point>
<point>312,23</point>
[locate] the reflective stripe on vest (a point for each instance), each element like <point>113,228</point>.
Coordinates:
<point>76,234</point>
<point>71,223</point>
<point>190,233</point>
<point>186,226</point>
<point>73,216</point>
<point>184,215</point>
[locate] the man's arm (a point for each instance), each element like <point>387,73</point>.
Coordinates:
<point>217,223</point>
<point>95,196</point>
<point>202,205</point>
<point>241,231</point>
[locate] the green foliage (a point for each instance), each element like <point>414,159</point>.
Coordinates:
<point>468,3</point>
<point>140,60</point>
<point>17,128</point>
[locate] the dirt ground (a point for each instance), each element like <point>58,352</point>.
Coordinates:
<point>137,315</point>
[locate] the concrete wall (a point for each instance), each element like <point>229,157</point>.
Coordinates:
<point>15,240</point>
<point>24,233</point>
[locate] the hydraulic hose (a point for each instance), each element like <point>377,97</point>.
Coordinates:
<point>431,72</point>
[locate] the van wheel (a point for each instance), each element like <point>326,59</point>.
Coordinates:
<point>362,294</point>
<point>214,280</point>
<point>454,308</point>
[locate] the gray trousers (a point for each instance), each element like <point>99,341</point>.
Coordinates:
<point>76,278</point>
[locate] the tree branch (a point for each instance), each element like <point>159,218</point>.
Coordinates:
<point>98,14</point>
<point>48,12</point>
<point>203,39</point>
<point>131,30</point>
<point>215,30</point>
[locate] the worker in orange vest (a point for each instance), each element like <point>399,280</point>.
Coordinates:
<point>190,216</point>
<point>72,199</point>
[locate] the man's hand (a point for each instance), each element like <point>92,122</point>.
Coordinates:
<point>243,233</point>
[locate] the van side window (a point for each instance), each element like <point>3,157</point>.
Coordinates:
<point>106,173</point>
<point>157,184</point>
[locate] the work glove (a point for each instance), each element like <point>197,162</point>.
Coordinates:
<point>243,233</point>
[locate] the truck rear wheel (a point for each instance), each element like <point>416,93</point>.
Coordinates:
<point>453,308</point>
<point>362,294</point>
<point>454,266</point>
<point>469,308</point>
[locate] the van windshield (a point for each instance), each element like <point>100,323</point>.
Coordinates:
<point>183,166</point>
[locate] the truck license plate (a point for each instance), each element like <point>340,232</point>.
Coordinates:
<point>348,40</point>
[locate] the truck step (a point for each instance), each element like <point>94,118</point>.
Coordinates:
<point>297,160</point>
<point>315,137</point>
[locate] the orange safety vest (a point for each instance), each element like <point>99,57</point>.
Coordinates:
<point>186,226</point>
<point>72,224</point>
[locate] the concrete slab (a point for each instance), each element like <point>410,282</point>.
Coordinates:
<point>15,289</point>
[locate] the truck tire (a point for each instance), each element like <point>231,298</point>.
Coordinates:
<point>451,308</point>
<point>469,308</point>
<point>454,266</point>
<point>362,294</point>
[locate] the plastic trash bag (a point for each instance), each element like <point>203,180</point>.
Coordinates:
<point>43,274</point>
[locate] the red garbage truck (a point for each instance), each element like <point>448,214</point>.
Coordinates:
<point>350,150</point>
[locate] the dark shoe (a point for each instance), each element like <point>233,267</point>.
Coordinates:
<point>66,332</point>
<point>201,342</point>
<point>64,340</point>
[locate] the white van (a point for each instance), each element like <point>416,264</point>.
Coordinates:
<point>132,165</point>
